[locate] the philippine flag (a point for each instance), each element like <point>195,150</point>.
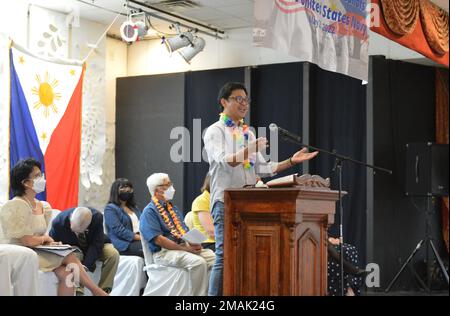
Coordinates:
<point>45,122</point>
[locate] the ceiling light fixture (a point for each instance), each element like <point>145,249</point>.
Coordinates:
<point>134,28</point>
<point>192,43</point>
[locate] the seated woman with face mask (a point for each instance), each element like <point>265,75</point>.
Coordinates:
<point>25,220</point>
<point>122,219</point>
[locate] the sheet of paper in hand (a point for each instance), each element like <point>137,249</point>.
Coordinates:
<point>194,236</point>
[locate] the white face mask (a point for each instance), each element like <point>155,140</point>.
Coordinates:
<point>169,193</point>
<point>39,184</point>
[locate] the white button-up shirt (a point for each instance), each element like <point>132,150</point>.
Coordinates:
<point>219,144</point>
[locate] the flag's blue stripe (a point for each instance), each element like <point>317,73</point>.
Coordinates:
<point>23,139</point>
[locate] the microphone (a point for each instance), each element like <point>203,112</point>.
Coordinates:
<point>285,133</point>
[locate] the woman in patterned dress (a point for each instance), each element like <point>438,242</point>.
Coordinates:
<point>24,221</point>
<point>353,276</point>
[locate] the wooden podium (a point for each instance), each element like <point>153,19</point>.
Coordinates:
<point>275,240</point>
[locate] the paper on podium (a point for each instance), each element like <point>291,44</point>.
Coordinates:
<point>287,181</point>
<point>194,236</point>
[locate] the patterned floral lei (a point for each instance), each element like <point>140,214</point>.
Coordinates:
<point>178,231</point>
<point>239,137</point>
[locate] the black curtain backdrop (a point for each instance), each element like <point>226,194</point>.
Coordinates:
<point>404,112</point>
<point>147,109</point>
<point>201,91</point>
<point>277,97</point>
<point>338,122</point>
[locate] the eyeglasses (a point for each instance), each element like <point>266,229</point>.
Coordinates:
<point>240,100</point>
<point>165,185</point>
<point>37,176</point>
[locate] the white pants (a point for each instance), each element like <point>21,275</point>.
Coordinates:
<point>198,266</point>
<point>19,268</point>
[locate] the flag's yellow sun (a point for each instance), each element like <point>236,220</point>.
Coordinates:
<point>47,95</point>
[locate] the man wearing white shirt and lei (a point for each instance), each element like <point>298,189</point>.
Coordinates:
<point>235,161</point>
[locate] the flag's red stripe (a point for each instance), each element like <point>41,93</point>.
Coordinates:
<point>62,158</point>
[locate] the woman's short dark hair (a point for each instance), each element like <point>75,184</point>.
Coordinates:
<point>115,187</point>
<point>21,171</point>
<point>206,184</point>
<point>226,91</point>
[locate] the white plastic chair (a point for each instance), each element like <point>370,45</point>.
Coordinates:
<point>48,281</point>
<point>18,271</point>
<point>164,280</point>
<point>130,277</point>
<point>55,213</point>
<point>189,220</point>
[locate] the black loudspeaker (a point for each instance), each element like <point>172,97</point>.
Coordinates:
<point>426,169</point>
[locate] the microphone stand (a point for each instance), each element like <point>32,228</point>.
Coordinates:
<point>338,164</point>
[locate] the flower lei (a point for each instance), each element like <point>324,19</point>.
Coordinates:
<point>178,231</point>
<point>239,137</point>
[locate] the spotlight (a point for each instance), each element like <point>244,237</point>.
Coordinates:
<point>142,29</point>
<point>198,44</point>
<point>135,28</point>
<point>128,32</point>
<point>192,44</point>
<point>179,41</point>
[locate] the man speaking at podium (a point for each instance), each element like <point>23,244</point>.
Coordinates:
<point>235,161</point>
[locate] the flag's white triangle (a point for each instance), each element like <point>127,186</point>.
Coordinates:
<point>48,88</point>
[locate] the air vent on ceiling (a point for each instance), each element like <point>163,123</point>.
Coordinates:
<point>174,3</point>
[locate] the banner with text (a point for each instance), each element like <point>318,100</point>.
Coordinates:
<point>330,33</point>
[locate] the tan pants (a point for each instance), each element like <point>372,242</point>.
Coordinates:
<point>198,266</point>
<point>110,259</point>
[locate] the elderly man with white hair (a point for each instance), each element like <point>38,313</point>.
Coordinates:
<point>162,226</point>
<point>83,227</point>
